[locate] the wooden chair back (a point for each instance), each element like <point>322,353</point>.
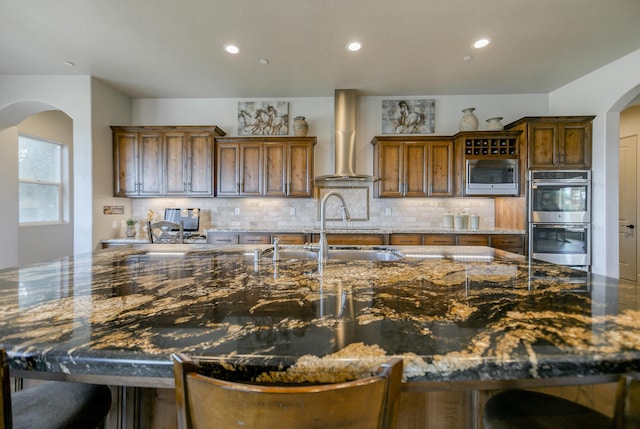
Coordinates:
<point>165,232</point>
<point>5,406</point>
<point>208,403</point>
<point>627,408</point>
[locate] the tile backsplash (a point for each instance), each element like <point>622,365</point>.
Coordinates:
<point>304,213</point>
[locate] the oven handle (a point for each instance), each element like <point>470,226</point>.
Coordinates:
<point>535,183</point>
<point>574,227</point>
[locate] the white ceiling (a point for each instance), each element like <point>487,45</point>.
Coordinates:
<point>173,48</point>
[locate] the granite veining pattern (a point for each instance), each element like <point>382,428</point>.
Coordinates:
<point>463,314</point>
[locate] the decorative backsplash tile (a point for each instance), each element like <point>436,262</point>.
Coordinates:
<point>304,213</point>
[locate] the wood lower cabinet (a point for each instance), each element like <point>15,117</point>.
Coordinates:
<point>514,243</point>
<point>290,238</point>
<point>510,243</point>
<point>354,239</point>
<point>225,238</point>
<point>264,166</point>
<point>439,240</point>
<point>413,167</point>
<point>160,161</point>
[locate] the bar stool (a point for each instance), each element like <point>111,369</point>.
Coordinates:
<point>53,405</point>
<point>205,402</point>
<point>522,409</point>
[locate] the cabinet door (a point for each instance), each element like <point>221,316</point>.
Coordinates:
<point>228,170</point>
<point>415,169</point>
<point>405,239</point>
<point>543,141</point>
<point>125,164</point>
<point>472,240</point>
<point>198,163</point>
<point>510,243</point>
<point>389,170</point>
<point>150,164</point>
<point>222,238</point>
<point>250,238</point>
<point>176,152</point>
<point>300,170</point>
<point>440,169</point>
<point>275,169</point>
<point>574,146</point>
<point>290,238</point>
<point>439,240</point>
<point>251,169</point>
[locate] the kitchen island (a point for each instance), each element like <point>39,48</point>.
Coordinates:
<point>470,318</point>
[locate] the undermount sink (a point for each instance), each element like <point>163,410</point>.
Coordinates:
<point>342,254</point>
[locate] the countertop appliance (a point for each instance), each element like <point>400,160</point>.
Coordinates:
<point>492,177</point>
<point>559,204</point>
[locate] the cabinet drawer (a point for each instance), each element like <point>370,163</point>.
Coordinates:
<point>290,238</point>
<point>502,241</point>
<point>473,240</point>
<point>364,239</point>
<point>406,239</point>
<point>439,240</point>
<point>222,238</point>
<point>255,239</point>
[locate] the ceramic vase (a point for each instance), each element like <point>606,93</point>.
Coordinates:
<point>300,126</point>
<point>130,231</point>
<point>469,121</point>
<point>494,124</point>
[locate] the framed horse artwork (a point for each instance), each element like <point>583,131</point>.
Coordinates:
<point>263,118</point>
<point>408,116</point>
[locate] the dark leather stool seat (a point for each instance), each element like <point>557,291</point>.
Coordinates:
<point>57,405</point>
<point>521,409</point>
<point>52,405</point>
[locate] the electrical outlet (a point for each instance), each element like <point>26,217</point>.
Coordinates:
<point>387,211</point>
<point>236,211</point>
<point>292,211</point>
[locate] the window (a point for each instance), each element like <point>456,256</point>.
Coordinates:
<point>40,177</point>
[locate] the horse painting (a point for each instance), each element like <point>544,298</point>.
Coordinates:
<point>258,118</point>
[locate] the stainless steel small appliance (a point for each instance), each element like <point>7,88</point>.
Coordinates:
<point>559,204</point>
<point>564,244</point>
<point>492,177</point>
<point>560,196</point>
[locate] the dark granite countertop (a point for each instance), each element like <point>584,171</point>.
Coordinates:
<point>470,316</point>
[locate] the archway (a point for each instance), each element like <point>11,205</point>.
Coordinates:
<point>35,242</point>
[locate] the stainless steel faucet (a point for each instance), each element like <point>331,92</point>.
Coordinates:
<point>276,249</point>
<point>324,248</point>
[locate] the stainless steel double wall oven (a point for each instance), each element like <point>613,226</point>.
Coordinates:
<point>560,217</point>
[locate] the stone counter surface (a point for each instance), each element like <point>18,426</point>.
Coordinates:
<point>471,315</point>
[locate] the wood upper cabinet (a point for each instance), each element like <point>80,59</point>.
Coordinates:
<point>157,160</point>
<point>137,162</point>
<point>189,163</point>
<point>413,167</point>
<point>265,166</point>
<point>555,142</point>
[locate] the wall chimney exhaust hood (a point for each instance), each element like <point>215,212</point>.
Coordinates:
<point>345,107</point>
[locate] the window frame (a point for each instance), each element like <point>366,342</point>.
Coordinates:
<point>60,185</point>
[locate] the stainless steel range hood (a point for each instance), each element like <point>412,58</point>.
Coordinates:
<point>345,115</point>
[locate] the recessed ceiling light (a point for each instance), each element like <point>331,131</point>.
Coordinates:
<point>467,58</point>
<point>69,64</point>
<point>264,61</point>
<point>232,49</point>
<point>354,46</point>
<point>481,43</point>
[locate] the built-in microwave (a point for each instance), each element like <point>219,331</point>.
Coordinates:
<point>492,177</point>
